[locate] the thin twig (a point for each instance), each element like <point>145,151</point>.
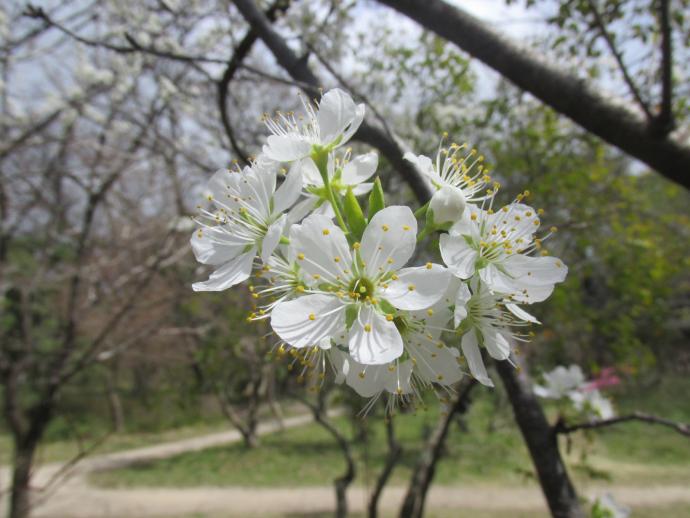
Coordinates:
<point>601,25</point>
<point>562,428</point>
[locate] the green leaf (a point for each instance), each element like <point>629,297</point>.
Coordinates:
<point>376,200</point>
<point>354,215</point>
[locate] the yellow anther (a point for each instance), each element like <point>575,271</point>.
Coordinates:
<point>300,289</point>
<point>312,316</point>
<point>336,259</point>
<point>553,229</point>
<point>536,222</point>
<point>407,227</point>
<point>300,256</point>
<point>411,287</point>
<point>390,261</point>
<point>389,317</point>
<point>473,217</point>
<point>429,266</point>
<point>356,246</point>
<point>367,328</point>
<point>540,211</point>
<point>316,276</point>
<point>394,277</point>
<point>326,232</point>
<point>361,375</point>
<point>385,227</point>
<point>430,312</point>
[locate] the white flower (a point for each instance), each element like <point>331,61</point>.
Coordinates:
<point>455,178</point>
<point>357,290</point>
<point>447,204</point>
<point>330,125</point>
<point>481,316</point>
<point>248,219</point>
<point>593,403</point>
<point>496,245</point>
<point>343,172</point>
<point>560,382</point>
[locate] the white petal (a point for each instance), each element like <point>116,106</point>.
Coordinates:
<point>496,344</point>
<point>362,188</point>
<point>434,362</point>
<point>425,166</point>
<point>230,274</point>
<point>459,257</point>
<point>272,238</point>
<point>305,321</point>
<point>339,362</point>
<point>320,248</point>
<point>463,297</point>
<point>418,287</point>
<point>360,169</point>
<point>367,380</point>
<point>471,352</point>
<point>389,239</point>
<point>288,192</point>
<point>536,271</point>
<point>214,245</point>
<point>519,290</point>
<point>301,209</point>
<point>310,173</point>
<point>522,314</point>
<point>286,148</point>
<point>337,111</point>
<point>373,340</point>
<point>354,125</point>
<point>397,380</point>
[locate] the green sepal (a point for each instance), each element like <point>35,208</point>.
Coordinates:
<point>376,200</point>
<point>354,215</point>
<point>387,307</point>
<point>350,315</point>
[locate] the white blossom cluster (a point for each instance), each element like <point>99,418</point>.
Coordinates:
<point>334,279</point>
<point>569,384</point>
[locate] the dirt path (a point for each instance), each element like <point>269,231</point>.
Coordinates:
<point>75,498</point>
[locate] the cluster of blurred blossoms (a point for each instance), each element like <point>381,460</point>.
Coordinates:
<point>335,280</point>
<point>568,385</point>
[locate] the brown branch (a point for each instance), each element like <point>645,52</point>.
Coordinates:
<point>562,428</point>
<point>241,52</point>
<point>394,453</point>
<point>342,482</point>
<point>541,442</point>
<point>664,123</point>
<point>563,91</point>
<point>601,25</point>
<point>424,471</point>
<point>298,68</point>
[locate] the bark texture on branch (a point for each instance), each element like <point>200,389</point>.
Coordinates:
<point>542,442</point>
<point>562,91</point>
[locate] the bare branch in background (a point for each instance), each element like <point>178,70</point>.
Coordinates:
<point>601,26</point>
<point>664,122</point>
<point>562,427</point>
<point>424,471</point>
<point>562,91</point>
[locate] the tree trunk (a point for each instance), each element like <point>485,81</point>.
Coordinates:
<point>413,506</point>
<point>542,443</point>
<point>20,503</point>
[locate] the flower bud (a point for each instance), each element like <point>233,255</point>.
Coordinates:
<point>448,204</point>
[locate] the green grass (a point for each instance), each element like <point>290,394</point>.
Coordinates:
<point>488,449</point>
<point>309,456</point>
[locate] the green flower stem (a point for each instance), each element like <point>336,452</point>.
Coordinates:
<point>320,158</point>
<point>421,211</point>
